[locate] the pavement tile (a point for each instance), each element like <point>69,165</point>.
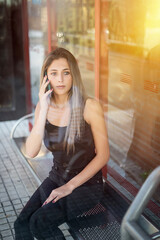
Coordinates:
<point>9,184</point>
<point>24,200</point>
<point>18,211</point>
<point>7,180</point>
<point>2,191</point>
<point>4,195</point>
<point>7,203</point>
<point>10,214</point>
<point>4,227</point>
<point>3,199</point>
<point>13,194</point>
<point>2,215</point>
<point>8,238</point>
<point>23,194</point>
<point>16,179</point>
<point>69,238</point>
<point>8,208</point>
<point>16,201</point>
<point>1,186</point>
<point>11,224</point>
<point>6,233</point>
<point>3,220</point>
<point>66,233</point>
<point>18,206</point>
<point>1,209</point>
<point>11,189</point>
<point>11,219</point>
<point>64,226</point>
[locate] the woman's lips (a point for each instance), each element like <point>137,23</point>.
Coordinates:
<point>61,86</point>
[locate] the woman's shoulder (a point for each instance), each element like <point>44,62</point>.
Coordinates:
<point>92,104</point>
<point>92,109</point>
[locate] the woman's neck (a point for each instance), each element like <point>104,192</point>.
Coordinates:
<point>60,102</point>
<point>60,99</point>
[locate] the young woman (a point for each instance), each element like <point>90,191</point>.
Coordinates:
<point>74,130</point>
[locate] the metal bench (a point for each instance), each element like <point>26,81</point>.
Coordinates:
<point>103,221</point>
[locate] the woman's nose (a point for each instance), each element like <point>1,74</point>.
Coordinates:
<point>60,78</point>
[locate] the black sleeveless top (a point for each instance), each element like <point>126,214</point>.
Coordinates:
<point>73,162</point>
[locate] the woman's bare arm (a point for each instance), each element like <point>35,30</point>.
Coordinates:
<point>34,141</point>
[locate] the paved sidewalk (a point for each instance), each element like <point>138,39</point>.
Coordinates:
<point>17,184</point>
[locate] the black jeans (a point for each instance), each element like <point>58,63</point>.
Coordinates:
<point>42,222</point>
<point>38,221</point>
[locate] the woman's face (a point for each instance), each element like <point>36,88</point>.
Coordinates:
<point>60,77</point>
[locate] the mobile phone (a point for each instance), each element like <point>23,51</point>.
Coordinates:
<point>49,85</point>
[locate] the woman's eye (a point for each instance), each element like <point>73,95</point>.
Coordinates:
<point>66,73</point>
<point>53,73</point>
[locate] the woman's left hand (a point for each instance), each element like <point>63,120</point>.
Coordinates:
<point>58,193</point>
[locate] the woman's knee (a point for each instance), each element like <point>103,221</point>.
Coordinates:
<point>18,224</point>
<point>42,228</point>
<point>21,229</point>
<point>36,224</point>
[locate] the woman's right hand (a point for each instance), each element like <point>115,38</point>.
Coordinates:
<point>44,96</point>
<point>34,140</point>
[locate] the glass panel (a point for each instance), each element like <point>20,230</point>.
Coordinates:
<point>74,30</point>
<point>130,46</point>
<point>6,70</point>
<point>38,42</point>
<point>69,24</point>
<point>12,74</point>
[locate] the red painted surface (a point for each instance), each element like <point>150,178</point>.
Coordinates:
<point>30,125</point>
<point>104,172</point>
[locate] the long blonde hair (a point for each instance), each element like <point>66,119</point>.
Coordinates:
<point>76,96</point>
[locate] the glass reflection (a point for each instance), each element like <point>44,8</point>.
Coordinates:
<point>130,39</point>
<point>69,24</point>
<point>74,30</point>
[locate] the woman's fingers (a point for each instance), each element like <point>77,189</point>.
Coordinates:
<point>44,79</point>
<point>50,198</point>
<point>58,193</point>
<point>48,92</point>
<point>53,197</point>
<point>43,88</point>
<point>44,84</point>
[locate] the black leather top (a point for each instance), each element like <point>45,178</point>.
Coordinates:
<point>71,162</point>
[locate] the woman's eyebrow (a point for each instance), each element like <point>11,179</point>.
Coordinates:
<point>57,69</point>
<point>53,70</point>
<point>66,69</point>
